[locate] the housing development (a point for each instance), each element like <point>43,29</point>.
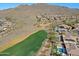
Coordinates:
<point>39,30</point>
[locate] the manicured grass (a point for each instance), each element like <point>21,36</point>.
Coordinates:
<point>27,47</point>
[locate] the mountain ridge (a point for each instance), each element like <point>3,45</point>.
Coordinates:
<point>36,9</point>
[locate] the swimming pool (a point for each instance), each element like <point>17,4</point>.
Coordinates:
<point>61,50</point>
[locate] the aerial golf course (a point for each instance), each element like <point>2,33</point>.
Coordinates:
<point>27,47</point>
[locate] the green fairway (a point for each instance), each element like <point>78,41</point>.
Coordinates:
<point>27,47</point>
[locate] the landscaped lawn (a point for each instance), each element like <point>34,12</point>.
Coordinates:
<point>27,47</point>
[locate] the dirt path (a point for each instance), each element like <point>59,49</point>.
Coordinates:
<point>45,50</point>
